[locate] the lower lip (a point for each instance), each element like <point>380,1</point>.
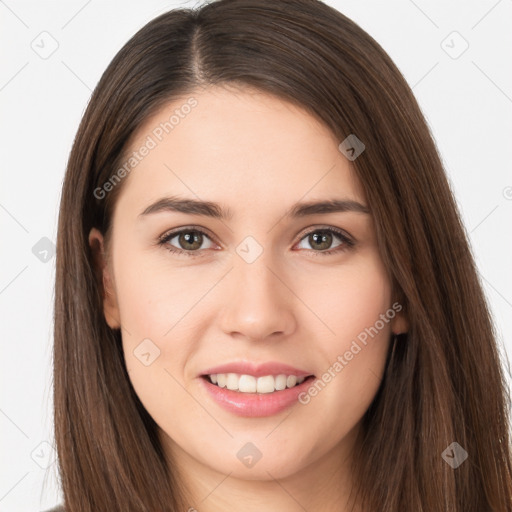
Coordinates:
<point>256,404</point>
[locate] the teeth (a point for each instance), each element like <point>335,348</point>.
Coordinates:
<point>232,381</point>
<point>266,384</point>
<point>221,380</point>
<point>246,383</point>
<point>250,384</point>
<point>281,382</point>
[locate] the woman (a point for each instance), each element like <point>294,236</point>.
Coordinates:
<point>265,297</point>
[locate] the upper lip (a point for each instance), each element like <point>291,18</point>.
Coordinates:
<point>257,370</point>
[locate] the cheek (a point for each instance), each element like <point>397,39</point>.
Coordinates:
<point>155,345</point>
<point>355,305</point>
<point>153,296</point>
<point>349,299</point>
<point>151,329</point>
<point>158,306</point>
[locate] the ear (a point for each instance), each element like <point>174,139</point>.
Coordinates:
<point>399,323</point>
<point>105,279</point>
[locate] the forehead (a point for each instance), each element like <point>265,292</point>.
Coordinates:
<point>244,148</point>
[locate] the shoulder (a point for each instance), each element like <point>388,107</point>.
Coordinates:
<point>58,508</point>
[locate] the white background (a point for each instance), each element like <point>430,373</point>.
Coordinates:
<point>467,102</point>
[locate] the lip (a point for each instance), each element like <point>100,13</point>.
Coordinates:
<point>255,404</point>
<point>256,370</point>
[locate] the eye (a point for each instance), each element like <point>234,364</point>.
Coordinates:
<point>189,240</point>
<point>322,239</point>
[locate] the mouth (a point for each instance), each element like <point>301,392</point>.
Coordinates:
<point>253,396</point>
<point>250,384</point>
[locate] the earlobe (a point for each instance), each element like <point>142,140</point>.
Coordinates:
<point>104,279</point>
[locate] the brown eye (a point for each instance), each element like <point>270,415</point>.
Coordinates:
<point>320,241</point>
<point>188,241</point>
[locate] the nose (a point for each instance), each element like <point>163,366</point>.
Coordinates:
<point>258,303</point>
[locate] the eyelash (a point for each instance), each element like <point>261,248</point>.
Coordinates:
<point>346,242</point>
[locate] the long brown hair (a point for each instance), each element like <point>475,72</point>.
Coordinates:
<point>444,381</point>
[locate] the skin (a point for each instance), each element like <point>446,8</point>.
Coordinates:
<point>288,305</point>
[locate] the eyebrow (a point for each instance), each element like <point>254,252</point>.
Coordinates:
<point>216,211</point>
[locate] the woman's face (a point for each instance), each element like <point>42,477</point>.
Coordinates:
<point>253,293</point>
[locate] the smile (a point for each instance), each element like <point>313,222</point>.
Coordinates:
<point>251,384</point>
